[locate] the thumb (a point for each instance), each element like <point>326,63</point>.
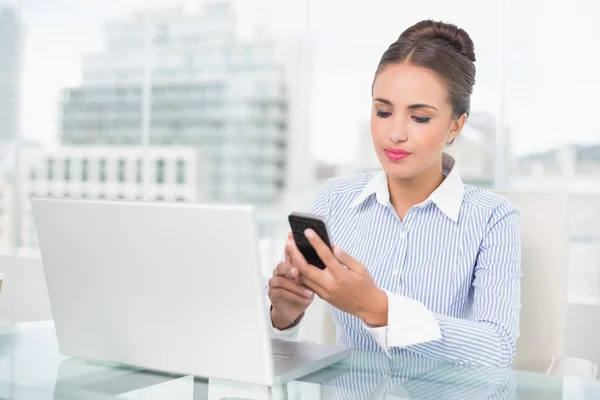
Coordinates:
<point>345,259</point>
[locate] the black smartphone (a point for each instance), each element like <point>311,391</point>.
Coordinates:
<point>299,222</point>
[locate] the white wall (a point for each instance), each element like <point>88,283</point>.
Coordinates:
<point>6,213</point>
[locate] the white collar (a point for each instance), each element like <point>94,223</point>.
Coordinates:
<point>447,197</point>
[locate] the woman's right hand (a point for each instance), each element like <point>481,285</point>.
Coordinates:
<point>289,297</point>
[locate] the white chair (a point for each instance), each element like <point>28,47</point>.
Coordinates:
<point>544,286</point>
<point>545,261</point>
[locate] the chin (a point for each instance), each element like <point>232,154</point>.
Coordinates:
<point>398,171</point>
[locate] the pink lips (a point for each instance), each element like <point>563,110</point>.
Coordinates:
<point>396,154</point>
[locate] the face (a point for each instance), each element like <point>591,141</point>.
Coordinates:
<point>411,120</point>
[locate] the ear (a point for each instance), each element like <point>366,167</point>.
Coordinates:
<point>456,128</point>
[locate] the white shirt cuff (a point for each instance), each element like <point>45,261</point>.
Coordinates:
<point>286,334</point>
<point>409,323</point>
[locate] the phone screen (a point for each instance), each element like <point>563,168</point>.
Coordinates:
<point>298,224</point>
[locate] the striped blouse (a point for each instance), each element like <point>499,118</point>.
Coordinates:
<point>451,269</point>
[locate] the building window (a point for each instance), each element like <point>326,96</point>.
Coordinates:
<point>67,169</point>
<point>102,195</point>
<point>159,198</point>
<point>121,196</point>
<point>139,172</point>
<point>84,169</point>
<point>160,171</point>
<point>180,199</point>
<point>33,174</point>
<point>50,169</point>
<point>181,172</point>
<point>121,172</point>
<point>103,170</point>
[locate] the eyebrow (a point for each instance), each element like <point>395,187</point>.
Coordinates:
<point>412,106</point>
<point>415,106</point>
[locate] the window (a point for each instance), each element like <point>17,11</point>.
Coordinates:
<point>121,171</point>
<point>84,169</point>
<point>50,166</point>
<point>160,171</point>
<point>181,172</point>
<point>33,174</point>
<point>139,172</point>
<point>103,170</point>
<point>159,198</point>
<point>67,169</point>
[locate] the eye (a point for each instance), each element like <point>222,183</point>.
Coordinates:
<point>421,120</point>
<point>383,114</point>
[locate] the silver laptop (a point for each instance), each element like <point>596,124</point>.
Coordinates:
<point>169,287</point>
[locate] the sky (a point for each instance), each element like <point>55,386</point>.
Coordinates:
<point>550,64</point>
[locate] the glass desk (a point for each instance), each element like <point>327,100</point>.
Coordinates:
<point>31,367</point>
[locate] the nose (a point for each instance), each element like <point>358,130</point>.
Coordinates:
<point>397,133</point>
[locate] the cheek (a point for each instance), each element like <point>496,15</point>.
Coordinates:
<point>378,127</point>
<point>430,136</point>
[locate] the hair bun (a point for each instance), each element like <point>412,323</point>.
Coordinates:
<point>452,34</point>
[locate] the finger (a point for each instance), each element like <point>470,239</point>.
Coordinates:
<point>282,269</point>
<point>288,284</point>
<point>282,295</point>
<point>324,252</point>
<point>299,262</point>
<point>318,289</point>
<point>287,253</point>
<point>286,269</point>
<point>349,262</point>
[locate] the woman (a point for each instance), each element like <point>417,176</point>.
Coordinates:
<point>429,265</point>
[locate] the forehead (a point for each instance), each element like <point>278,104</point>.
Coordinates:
<point>406,84</point>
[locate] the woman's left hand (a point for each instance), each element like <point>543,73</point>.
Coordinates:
<point>345,283</point>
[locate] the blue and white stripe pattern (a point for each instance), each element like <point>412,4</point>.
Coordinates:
<point>458,253</point>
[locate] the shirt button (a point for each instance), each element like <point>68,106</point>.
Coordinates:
<point>395,272</point>
<point>402,235</point>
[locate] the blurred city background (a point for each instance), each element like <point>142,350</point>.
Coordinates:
<point>260,101</point>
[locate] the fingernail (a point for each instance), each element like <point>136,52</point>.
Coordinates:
<point>308,293</point>
<point>293,271</point>
<point>309,233</point>
<point>289,242</point>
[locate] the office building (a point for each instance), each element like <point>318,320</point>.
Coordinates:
<point>110,172</point>
<point>9,73</point>
<point>474,149</point>
<point>566,161</point>
<point>570,168</point>
<point>6,213</point>
<point>230,96</point>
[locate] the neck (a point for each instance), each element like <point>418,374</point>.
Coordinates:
<point>405,193</point>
